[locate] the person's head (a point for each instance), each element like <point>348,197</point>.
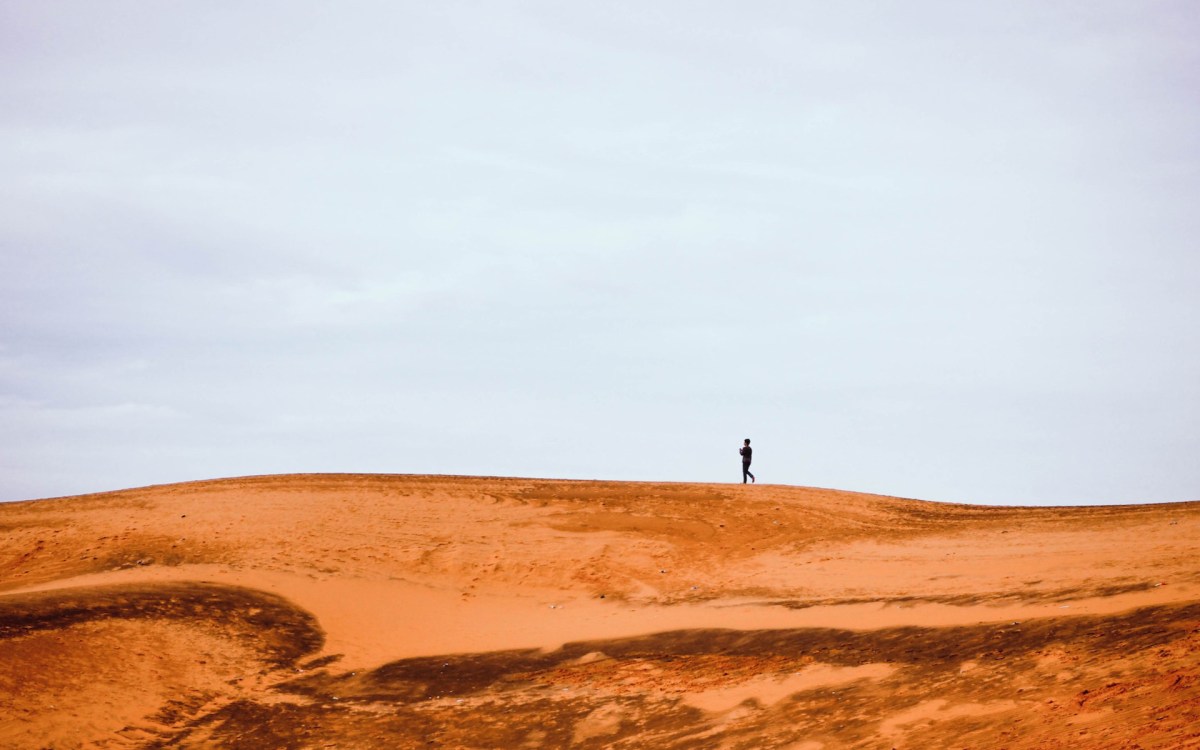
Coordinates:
<point>747,441</point>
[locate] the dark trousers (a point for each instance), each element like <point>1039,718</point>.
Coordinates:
<point>746,472</point>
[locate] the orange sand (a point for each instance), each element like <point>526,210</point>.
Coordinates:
<point>398,611</point>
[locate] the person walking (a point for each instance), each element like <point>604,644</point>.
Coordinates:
<point>746,452</point>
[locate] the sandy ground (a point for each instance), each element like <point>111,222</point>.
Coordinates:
<point>356,611</point>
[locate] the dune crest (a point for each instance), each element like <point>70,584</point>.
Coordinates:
<point>365,611</point>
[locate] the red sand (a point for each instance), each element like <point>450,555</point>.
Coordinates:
<point>455,612</point>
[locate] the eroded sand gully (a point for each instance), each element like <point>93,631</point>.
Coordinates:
<point>477,612</point>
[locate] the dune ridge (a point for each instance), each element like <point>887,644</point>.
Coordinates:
<point>363,611</point>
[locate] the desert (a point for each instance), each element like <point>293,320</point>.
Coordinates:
<point>398,611</point>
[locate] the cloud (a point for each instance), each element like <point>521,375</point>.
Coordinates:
<point>936,251</point>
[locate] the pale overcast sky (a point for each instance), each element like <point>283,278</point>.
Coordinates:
<point>941,250</point>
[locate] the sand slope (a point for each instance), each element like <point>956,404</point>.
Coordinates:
<point>357,611</point>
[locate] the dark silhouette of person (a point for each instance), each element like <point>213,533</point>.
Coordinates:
<point>746,452</point>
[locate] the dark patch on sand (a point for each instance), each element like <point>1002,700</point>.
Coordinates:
<point>507,698</point>
<point>278,628</point>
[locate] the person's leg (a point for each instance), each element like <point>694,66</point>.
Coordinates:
<point>746,472</point>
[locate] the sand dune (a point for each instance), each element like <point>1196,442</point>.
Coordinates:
<point>357,611</point>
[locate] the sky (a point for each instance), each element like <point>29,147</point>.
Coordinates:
<point>929,249</point>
